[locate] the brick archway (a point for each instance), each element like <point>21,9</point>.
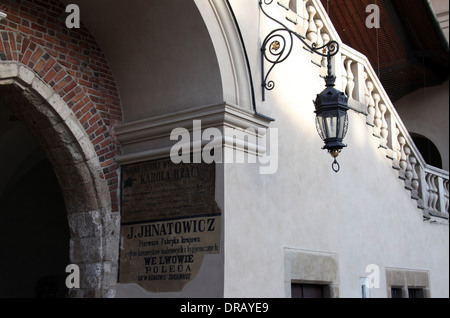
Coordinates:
<point>57,82</point>
<point>93,224</point>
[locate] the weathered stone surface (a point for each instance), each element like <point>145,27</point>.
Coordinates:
<point>80,198</point>
<point>111,229</point>
<point>26,75</point>
<point>67,155</point>
<point>84,250</point>
<point>60,107</point>
<point>86,224</point>
<point>41,88</point>
<point>8,70</point>
<point>92,275</point>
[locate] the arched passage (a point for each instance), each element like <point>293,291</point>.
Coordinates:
<point>34,232</point>
<point>93,232</point>
<point>167,57</point>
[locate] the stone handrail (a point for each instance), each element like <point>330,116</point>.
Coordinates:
<point>357,78</point>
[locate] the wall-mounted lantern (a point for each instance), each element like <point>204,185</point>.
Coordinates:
<point>332,119</point>
<point>331,104</point>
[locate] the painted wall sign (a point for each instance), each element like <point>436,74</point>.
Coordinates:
<point>170,221</point>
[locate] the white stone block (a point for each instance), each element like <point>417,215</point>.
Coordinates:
<point>60,106</point>
<point>75,127</point>
<point>26,75</point>
<point>42,89</point>
<point>8,70</point>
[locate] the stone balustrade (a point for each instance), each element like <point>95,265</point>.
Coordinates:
<point>428,185</point>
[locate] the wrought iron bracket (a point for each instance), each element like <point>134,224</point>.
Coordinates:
<point>278,45</point>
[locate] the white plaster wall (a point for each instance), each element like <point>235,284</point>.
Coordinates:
<point>363,214</point>
<point>425,112</point>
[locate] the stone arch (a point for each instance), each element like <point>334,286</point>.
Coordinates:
<point>224,32</point>
<point>57,81</point>
<point>93,225</point>
<point>87,88</point>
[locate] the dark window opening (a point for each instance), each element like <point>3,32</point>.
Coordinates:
<point>428,150</point>
<point>307,291</point>
<point>364,292</point>
<point>415,293</point>
<point>396,293</point>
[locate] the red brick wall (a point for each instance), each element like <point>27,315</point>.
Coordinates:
<point>69,60</point>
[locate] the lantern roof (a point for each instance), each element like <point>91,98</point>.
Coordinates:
<point>331,98</point>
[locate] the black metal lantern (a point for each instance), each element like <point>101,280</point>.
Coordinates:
<point>332,118</point>
<point>331,104</point>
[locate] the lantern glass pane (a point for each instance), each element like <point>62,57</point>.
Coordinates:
<point>343,124</point>
<point>320,127</point>
<point>331,123</point>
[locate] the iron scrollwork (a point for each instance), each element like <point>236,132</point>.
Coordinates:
<point>278,46</point>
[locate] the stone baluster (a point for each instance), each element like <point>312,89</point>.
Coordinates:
<point>360,82</point>
<point>441,188</point>
<point>384,132</point>
<point>402,156</point>
<point>377,116</point>
<point>422,191</point>
<point>325,38</point>
<point>395,145</point>
<point>324,62</point>
<point>392,139</point>
<point>344,73</point>
<point>319,25</point>
<point>316,58</point>
<point>432,191</point>
<point>446,196</point>
<point>311,33</point>
<point>350,78</point>
<point>415,182</point>
<point>366,91</point>
<point>408,167</point>
<point>370,103</point>
<point>305,15</point>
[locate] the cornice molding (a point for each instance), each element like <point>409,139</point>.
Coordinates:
<point>149,139</point>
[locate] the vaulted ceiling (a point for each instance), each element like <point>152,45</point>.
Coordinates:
<point>408,51</point>
<point>159,52</point>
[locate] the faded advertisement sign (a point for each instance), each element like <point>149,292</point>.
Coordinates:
<point>170,221</point>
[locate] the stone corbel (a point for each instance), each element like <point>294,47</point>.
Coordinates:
<point>2,15</point>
